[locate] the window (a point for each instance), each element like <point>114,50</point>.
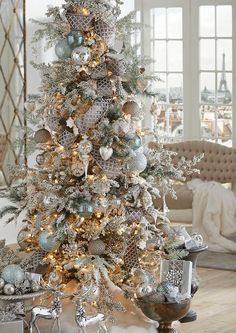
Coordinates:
<point>192,43</point>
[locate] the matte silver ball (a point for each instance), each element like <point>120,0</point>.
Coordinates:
<point>81,55</point>
<point>96,247</point>
<point>2,283</point>
<point>137,163</point>
<point>13,274</point>
<point>62,49</point>
<point>9,289</point>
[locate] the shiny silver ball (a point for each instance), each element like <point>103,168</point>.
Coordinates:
<point>81,55</point>
<point>137,163</point>
<point>2,283</point>
<point>9,289</point>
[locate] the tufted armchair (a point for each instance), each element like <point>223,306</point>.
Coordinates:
<point>218,164</point>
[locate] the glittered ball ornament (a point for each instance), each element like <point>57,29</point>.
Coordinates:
<point>42,136</point>
<point>81,55</point>
<point>48,242</point>
<point>85,209</point>
<point>9,289</point>
<point>96,247</point>
<point>13,274</point>
<point>137,163</point>
<point>75,39</point>
<point>133,141</point>
<point>131,108</point>
<point>2,283</point>
<point>62,49</point>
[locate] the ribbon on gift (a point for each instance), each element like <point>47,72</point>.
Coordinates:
<point>12,311</point>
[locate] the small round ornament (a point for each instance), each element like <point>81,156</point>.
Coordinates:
<point>131,108</point>
<point>40,159</point>
<point>48,242</point>
<point>62,49</point>
<point>85,209</point>
<point>55,278</point>
<point>75,38</point>
<point>12,274</point>
<point>2,283</point>
<point>144,290</point>
<point>81,55</point>
<point>96,247</point>
<point>85,146</point>
<point>77,168</point>
<point>42,136</point>
<point>50,200</point>
<point>133,141</point>
<point>9,289</point>
<point>137,163</point>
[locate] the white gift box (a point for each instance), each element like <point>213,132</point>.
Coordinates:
<point>15,326</point>
<point>179,273</point>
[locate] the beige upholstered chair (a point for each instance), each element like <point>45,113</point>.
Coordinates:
<point>218,164</point>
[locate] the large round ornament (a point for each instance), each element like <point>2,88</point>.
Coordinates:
<point>2,283</point>
<point>75,39</point>
<point>13,274</point>
<point>131,108</point>
<point>85,209</point>
<point>96,247</point>
<point>42,136</point>
<point>81,55</point>
<point>137,163</point>
<point>133,141</point>
<point>62,49</point>
<point>9,289</point>
<point>48,242</point>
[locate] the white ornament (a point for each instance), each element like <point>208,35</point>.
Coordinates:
<point>106,153</point>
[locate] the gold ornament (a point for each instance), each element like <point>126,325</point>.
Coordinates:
<point>96,247</point>
<point>42,136</point>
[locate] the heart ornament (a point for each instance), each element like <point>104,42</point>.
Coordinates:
<point>106,153</point>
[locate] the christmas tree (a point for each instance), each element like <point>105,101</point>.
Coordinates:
<point>89,206</point>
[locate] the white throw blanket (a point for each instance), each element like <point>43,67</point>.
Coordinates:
<point>214,214</point>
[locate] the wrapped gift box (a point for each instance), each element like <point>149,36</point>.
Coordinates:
<point>15,326</point>
<point>179,273</point>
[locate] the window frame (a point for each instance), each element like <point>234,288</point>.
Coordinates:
<point>191,58</point>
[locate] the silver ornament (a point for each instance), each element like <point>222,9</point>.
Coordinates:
<point>50,200</point>
<point>40,159</point>
<point>77,169</point>
<point>106,153</point>
<point>116,202</point>
<point>35,286</point>
<point>131,108</point>
<point>81,55</point>
<point>73,246</point>
<point>137,163</point>
<point>85,209</point>
<point>9,289</point>
<point>55,277</point>
<point>144,290</point>
<point>2,283</point>
<point>48,242</point>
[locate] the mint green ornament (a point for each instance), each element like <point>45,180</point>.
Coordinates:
<point>12,274</point>
<point>75,39</point>
<point>62,49</point>
<point>48,242</point>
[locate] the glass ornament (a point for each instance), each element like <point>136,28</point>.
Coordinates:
<point>9,289</point>
<point>133,141</point>
<point>50,200</point>
<point>85,209</point>
<point>40,159</point>
<point>116,202</point>
<point>48,242</point>
<point>75,39</point>
<point>137,163</point>
<point>13,274</point>
<point>85,146</point>
<point>62,49</point>
<point>81,55</point>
